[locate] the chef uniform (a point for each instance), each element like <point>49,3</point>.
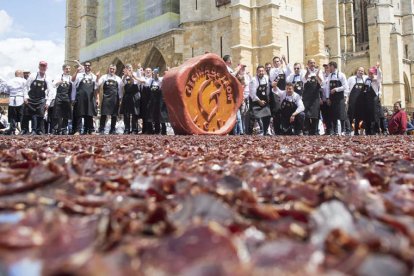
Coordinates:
<point>337,81</point>
<point>144,105</point>
<point>83,94</point>
<point>112,94</point>
<point>280,74</point>
<point>39,93</point>
<point>16,88</point>
<point>311,98</point>
<point>372,93</point>
<point>259,90</point>
<point>154,106</point>
<point>356,103</point>
<point>298,81</point>
<point>291,105</point>
<point>62,112</point>
<point>131,104</point>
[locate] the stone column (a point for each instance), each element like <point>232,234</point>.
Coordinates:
<point>88,22</point>
<point>382,37</point>
<point>242,37</point>
<point>350,26</point>
<point>332,30</point>
<point>72,31</point>
<point>407,10</point>
<point>343,25</point>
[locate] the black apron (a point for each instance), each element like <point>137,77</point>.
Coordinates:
<point>356,103</point>
<point>63,108</point>
<point>311,98</point>
<point>110,100</point>
<point>145,98</point>
<point>85,103</point>
<point>287,109</point>
<point>298,85</point>
<point>262,93</point>
<point>371,103</point>
<point>281,84</point>
<point>36,103</point>
<point>164,110</point>
<point>338,110</point>
<point>154,103</point>
<point>131,99</point>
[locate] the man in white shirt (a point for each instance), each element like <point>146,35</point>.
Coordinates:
<point>86,98</point>
<point>356,102</point>
<point>112,95</point>
<point>3,122</point>
<point>325,108</point>
<point>372,92</point>
<point>16,88</point>
<point>338,94</point>
<point>229,62</point>
<point>292,109</point>
<point>312,97</point>
<point>145,98</point>
<point>38,95</point>
<point>130,106</point>
<point>155,123</point>
<point>63,101</point>
<point>259,89</point>
<point>278,73</point>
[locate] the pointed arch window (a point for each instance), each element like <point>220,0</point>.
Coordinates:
<point>361,22</point>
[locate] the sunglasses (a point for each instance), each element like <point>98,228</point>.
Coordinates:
<point>297,68</point>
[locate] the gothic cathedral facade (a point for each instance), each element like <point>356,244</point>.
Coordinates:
<point>164,33</point>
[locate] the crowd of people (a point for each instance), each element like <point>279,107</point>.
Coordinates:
<point>68,104</point>
<point>279,99</point>
<point>290,100</point>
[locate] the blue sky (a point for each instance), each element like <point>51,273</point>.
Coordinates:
<point>31,30</point>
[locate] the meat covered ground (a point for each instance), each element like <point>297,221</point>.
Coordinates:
<point>198,205</point>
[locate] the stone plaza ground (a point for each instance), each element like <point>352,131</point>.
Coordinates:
<point>203,205</point>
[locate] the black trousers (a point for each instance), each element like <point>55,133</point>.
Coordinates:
<point>326,117</point>
<point>159,128</point>
<point>266,123</point>
<point>87,124</point>
<point>15,115</point>
<point>37,124</point>
<point>297,124</point>
<point>335,126</point>
<point>277,123</point>
<point>131,123</point>
<point>311,125</point>
<point>102,123</point>
<point>60,125</point>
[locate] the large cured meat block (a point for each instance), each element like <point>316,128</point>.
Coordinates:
<point>202,96</point>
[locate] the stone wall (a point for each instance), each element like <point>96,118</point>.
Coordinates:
<point>253,31</point>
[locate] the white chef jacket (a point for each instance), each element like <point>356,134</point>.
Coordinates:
<point>295,98</point>
<point>376,83</point>
<point>354,80</point>
<point>50,91</point>
<point>254,84</point>
<point>275,72</point>
<point>113,77</point>
<point>79,78</point>
<point>341,77</point>
<point>16,88</point>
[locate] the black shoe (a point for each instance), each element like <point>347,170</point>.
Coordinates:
<point>39,132</point>
<point>112,132</point>
<point>126,132</point>
<point>9,132</point>
<point>134,131</point>
<point>64,132</point>
<point>24,132</point>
